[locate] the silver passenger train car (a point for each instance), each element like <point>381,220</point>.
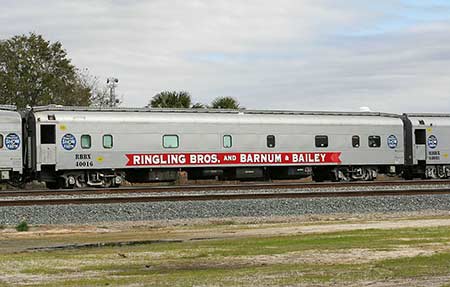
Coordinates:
<point>11,166</point>
<point>71,146</point>
<point>428,145</point>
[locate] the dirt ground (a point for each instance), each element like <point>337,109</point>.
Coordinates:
<point>75,236</point>
<point>216,228</point>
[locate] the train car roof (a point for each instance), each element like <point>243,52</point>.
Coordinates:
<point>427,119</point>
<point>209,111</point>
<point>8,108</point>
<point>210,116</point>
<point>9,114</point>
<point>427,115</point>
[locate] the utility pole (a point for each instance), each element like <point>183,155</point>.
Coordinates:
<point>112,84</point>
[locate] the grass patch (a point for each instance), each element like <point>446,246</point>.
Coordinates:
<point>228,262</point>
<point>373,239</point>
<point>22,226</point>
<point>281,274</point>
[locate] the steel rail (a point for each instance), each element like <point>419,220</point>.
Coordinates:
<point>209,197</point>
<point>215,187</point>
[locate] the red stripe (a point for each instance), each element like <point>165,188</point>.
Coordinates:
<point>254,158</point>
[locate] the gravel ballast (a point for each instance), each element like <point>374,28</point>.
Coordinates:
<point>91,213</point>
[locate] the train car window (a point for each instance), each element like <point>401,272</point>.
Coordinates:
<point>85,141</point>
<point>107,141</point>
<point>271,141</point>
<point>1,141</point>
<point>420,136</point>
<point>321,141</point>
<point>227,141</point>
<point>374,141</point>
<point>355,141</point>
<point>170,141</point>
<point>48,134</point>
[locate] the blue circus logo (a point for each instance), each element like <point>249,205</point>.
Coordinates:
<point>392,141</point>
<point>432,141</point>
<point>68,141</point>
<point>12,141</point>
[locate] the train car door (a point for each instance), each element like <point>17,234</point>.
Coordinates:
<point>420,149</point>
<point>48,144</point>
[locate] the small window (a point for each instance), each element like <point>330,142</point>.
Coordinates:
<point>420,136</point>
<point>86,141</point>
<point>321,141</point>
<point>1,141</point>
<point>227,141</point>
<point>48,134</point>
<point>355,141</point>
<point>170,141</point>
<point>374,141</point>
<point>271,141</point>
<point>107,141</point>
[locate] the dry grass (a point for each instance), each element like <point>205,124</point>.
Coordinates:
<point>347,251</point>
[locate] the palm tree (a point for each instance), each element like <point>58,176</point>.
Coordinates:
<point>225,103</point>
<point>199,106</point>
<point>173,99</point>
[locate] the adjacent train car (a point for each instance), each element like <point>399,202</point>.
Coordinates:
<point>11,167</point>
<point>428,149</point>
<point>90,147</point>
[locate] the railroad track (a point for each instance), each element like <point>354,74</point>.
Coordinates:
<point>216,187</point>
<point>224,196</point>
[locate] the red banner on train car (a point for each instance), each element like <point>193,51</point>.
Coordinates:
<point>254,158</point>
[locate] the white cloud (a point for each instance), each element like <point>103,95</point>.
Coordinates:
<point>286,54</point>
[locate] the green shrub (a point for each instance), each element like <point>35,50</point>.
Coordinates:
<point>22,226</point>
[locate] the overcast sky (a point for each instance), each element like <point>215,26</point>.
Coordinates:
<point>391,55</point>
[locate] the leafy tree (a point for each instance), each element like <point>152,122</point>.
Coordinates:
<point>225,103</point>
<point>34,72</point>
<point>100,93</point>
<point>173,99</point>
<point>101,98</point>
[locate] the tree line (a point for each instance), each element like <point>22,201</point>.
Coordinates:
<point>34,72</point>
<point>173,99</point>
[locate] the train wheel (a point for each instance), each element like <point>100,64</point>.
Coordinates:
<point>81,181</point>
<point>441,172</point>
